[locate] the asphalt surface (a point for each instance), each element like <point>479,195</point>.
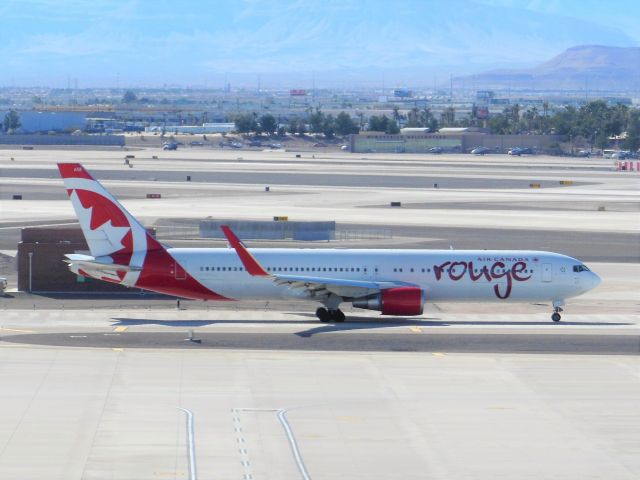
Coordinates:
<point>588,247</point>
<point>319,340</point>
<point>281,178</point>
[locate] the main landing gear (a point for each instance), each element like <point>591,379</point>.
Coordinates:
<point>331,315</point>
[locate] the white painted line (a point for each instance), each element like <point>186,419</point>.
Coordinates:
<point>191,444</point>
<point>282,416</point>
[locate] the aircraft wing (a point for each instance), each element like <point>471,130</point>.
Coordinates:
<point>314,286</point>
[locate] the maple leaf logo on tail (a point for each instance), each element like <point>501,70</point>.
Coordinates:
<point>108,228</point>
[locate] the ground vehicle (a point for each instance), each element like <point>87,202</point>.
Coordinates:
<point>170,146</point>
<point>481,150</point>
<point>435,150</point>
<point>517,151</point>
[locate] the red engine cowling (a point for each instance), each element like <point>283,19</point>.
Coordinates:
<point>394,301</point>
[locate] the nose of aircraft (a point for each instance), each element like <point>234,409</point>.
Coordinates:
<point>594,280</point>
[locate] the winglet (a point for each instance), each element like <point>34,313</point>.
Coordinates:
<point>250,264</point>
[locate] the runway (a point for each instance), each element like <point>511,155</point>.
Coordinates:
<point>326,339</point>
<point>286,178</point>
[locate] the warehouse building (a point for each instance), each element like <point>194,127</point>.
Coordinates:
<point>43,122</point>
<point>449,139</point>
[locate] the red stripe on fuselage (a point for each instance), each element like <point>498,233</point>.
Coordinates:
<point>158,275</point>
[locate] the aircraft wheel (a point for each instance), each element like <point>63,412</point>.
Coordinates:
<point>323,314</point>
<point>556,317</point>
<point>337,316</point>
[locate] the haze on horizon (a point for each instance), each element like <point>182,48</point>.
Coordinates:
<point>329,43</point>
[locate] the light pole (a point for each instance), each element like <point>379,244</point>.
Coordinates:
<point>30,270</point>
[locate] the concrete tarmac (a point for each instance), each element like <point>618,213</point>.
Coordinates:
<point>99,388</point>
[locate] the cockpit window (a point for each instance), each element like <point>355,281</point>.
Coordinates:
<point>580,268</point>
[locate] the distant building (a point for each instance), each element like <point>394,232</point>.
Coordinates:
<point>485,96</point>
<point>43,122</point>
<point>203,129</point>
<point>402,93</point>
<point>410,130</point>
<point>449,139</point>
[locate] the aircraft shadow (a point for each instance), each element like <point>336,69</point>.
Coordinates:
<point>353,323</point>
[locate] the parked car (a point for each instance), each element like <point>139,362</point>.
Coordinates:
<point>435,150</point>
<point>583,153</point>
<point>481,150</point>
<point>170,146</point>
<point>621,155</point>
<point>517,151</point>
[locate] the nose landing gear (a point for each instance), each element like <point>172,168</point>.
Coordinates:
<point>557,308</point>
<point>556,317</point>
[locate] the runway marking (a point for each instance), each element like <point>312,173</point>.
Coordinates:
<point>438,354</point>
<point>191,444</point>
<point>77,336</point>
<point>120,329</point>
<point>18,227</point>
<point>17,330</point>
<point>117,349</point>
<point>244,455</point>
<point>282,416</point>
<point>415,329</point>
<point>349,418</point>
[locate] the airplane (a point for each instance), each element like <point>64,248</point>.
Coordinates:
<point>394,282</point>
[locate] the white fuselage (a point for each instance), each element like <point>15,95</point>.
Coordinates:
<point>443,275</point>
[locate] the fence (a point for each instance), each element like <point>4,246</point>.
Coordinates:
<point>110,140</point>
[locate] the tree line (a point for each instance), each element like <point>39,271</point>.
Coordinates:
<point>318,122</point>
<point>593,123</point>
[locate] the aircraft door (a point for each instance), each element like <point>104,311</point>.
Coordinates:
<point>179,273</point>
<point>547,272</point>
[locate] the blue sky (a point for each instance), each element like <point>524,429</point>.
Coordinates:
<point>289,43</point>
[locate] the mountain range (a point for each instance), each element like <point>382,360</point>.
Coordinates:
<point>586,67</point>
<point>294,43</point>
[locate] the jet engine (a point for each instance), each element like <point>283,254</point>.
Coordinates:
<point>394,301</point>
